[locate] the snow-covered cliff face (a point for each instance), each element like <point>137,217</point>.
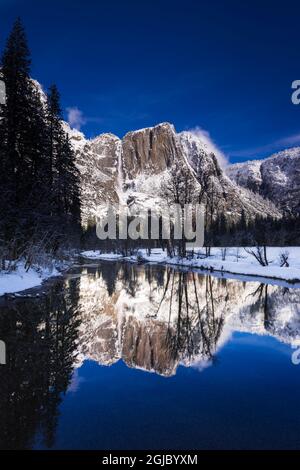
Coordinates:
<point>276,177</point>
<point>232,198</point>
<point>97,163</point>
<point>130,171</point>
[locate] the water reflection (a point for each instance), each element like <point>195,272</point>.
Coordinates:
<point>152,318</point>
<point>40,337</point>
<point>157,318</point>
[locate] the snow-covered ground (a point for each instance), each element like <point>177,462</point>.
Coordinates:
<point>20,279</point>
<point>237,261</point>
<point>97,255</point>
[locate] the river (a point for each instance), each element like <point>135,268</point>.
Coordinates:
<point>125,356</point>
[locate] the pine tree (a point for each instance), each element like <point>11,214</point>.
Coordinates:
<point>39,193</point>
<point>53,114</point>
<point>22,143</point>
<point>70,184</point>
<point>222,225</point>
<point>243,221</point>
<point>64,174</point>
<point>15,73</point>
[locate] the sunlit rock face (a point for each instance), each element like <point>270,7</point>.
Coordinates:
<point>157,319</point>
<point>145,345</point>
<point>131,170</point>
<point>150,150</point>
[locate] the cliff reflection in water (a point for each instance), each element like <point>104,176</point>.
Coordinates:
<point>156,318</point>
<point>152,318</point>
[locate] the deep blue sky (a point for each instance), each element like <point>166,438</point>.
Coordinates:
<point>226,67</point>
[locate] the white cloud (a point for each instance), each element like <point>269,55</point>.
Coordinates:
<point>277,145</point>
<point>76,118</point>
<point>290,140</point>
<point>208,142</point>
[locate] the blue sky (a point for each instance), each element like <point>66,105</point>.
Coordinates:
<point>223,66</point>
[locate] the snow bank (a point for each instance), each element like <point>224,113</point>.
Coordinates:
<point>98,255</point>
<point>20,279</point>
<point>237,261</point>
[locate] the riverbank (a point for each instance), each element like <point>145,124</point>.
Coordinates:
<point>235,261</point>
<point>20,279</point>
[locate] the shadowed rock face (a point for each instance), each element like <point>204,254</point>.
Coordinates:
<point>276,177</point>
<point>281,180</point>
<point>97,161</point>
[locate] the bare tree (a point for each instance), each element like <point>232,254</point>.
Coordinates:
<point>180,187</point>
<point>259,253</point>
<point>237,254</point>
<point>223,253</point>
<point>284,256</point>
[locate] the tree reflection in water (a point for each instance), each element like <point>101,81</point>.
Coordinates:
<point>152,318</point>
<point>156,318</point>
<point>197,329</point>
<point>41,341</point>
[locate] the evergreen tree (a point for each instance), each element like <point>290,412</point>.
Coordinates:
<point>22,143</point>
<point>65,200</point>
<point>53,114</point>
<point>15,66</point>
<point>39,194</point>
<point>243,221</point>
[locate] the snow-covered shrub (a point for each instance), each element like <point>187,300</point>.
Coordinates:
<point>283,259</point>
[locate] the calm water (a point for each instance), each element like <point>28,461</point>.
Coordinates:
<point>121,356</point>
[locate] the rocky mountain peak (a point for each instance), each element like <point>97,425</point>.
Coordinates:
<point>276,177</point>
<point>132,168</point>
<point>149,150</point>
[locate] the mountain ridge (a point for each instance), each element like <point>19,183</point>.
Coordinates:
<point>131,169</point>
<point>277,177</point>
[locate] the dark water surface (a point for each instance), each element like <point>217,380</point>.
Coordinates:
<point>122,356</point>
